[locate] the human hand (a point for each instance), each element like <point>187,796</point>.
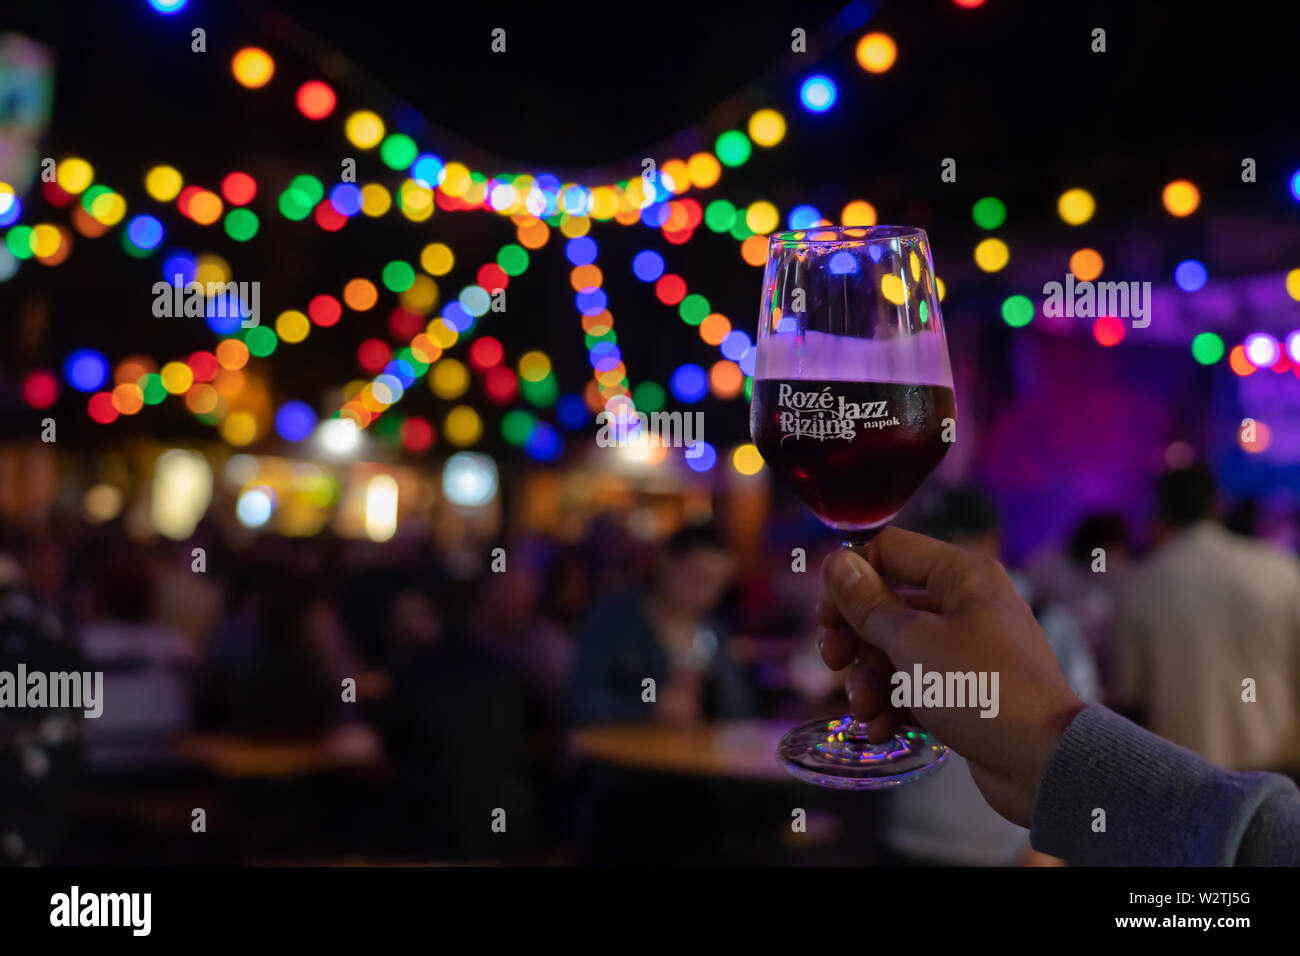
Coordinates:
<point>919,600</point>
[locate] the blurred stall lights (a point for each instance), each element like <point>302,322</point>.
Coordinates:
<point>181,493</point>
<point>1293,346</point>
<point>469,478</point>
<point>102,503</point>
<point>381,508</point>
<point>241,470</point>
<point>338,436</point>
<point>254,507</point>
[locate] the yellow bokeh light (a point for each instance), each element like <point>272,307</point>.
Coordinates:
<point>375,200</point>
<point>534,366</point>
<point>163,183</point>
<point>858,213</point>
<point>421,296</point>
<point>463,426</point>
<point>762,218</point>
<point>108,209</point>
<point>456,181</point>
<point>292,326</point>
<point>992,255</point>
<point>1181,198</point>
<point>45,240</point>
<point>74,175</point>
<point>177,377</point>
<point>364,129</point>
<point>239,428</point>
<point>767,127</point>
<point>442,334</point>
<point>211,268</point>
<point>1086,264</point>
<point>252,67</point>
<point>574,227</point>
<point>1076,206</point>
<point>436,259</point>
<point>449,378</point>
<point>415,200</point>
<point>893,289</point>
<point>942,289</point>
<point>604,203</point>
<point>1293,284</point>
<point>876,52</point>
<point>704,169</point>
<point>746,460</point>
<point>678,173</point>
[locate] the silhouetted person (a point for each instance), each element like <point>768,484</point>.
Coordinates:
<point>1209,636</point>
<point>665,631</point>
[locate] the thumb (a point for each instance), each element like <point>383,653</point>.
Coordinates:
<point>867,604</point>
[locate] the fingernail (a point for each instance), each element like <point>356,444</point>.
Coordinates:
<point>845,571</point>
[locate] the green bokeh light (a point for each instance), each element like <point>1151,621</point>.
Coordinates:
<point>989,212</point>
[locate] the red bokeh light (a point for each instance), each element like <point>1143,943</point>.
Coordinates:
<point>40,389</point>
<point>316,100</point>
<point>373,355</point>
<point>324,310</point>
<point>670,289</point>
<point>404,324</point>
<point>101,408</point>
<point>239,188</point>
<point>329,218</point>
<point>499,385</point>
<point>417,434</point>
<point>1108,331</point>
<point>492,277</point>
<point>204,365</point>
<point>486,353</point>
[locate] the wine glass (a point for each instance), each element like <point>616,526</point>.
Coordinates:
<point>852,408</point>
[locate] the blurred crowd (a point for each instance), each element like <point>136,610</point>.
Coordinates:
<point>453,678</point>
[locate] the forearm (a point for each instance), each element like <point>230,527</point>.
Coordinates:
<point>1160,805</point>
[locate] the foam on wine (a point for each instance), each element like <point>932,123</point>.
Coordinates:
<point>919,359</point>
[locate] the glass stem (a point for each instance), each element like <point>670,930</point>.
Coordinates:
<point>859,540</point>
<point>855,730</point>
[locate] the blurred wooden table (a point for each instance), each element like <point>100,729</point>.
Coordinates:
<point>739,749</point>
<point>353,747</point>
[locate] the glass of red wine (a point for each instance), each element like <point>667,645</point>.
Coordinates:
<point>852,409</point>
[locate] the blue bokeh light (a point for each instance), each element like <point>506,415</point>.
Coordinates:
<point>818,93</point>
<point>86,370</point>
<point>294,421</point>
<point>648,265</point>
<point>1190,275</point>
<point>689,383</point>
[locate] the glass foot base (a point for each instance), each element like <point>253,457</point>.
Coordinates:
<point>834,752</point>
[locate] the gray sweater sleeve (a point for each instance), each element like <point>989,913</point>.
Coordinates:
<point>1164,805</point>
